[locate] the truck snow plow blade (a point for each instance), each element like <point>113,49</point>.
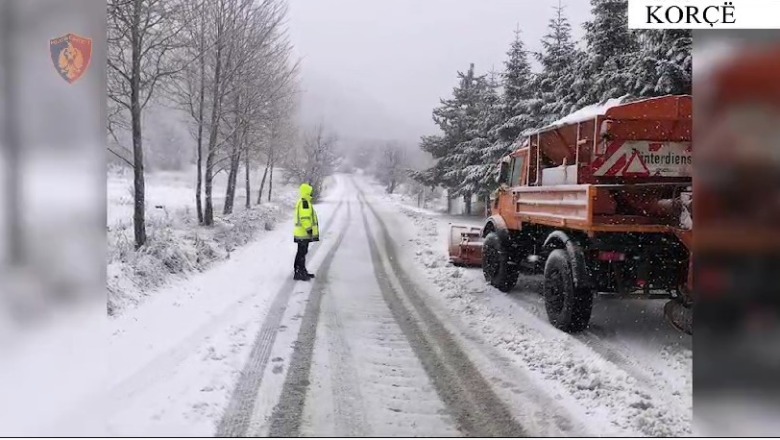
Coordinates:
<point>465,247</point>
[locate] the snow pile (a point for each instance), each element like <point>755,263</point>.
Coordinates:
<point>589,112</point>
<point>176,244</point>
<point>430,201</point>
<point>608,396</point>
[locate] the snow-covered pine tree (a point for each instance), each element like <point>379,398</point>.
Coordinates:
<point>458,119</point>
<point>662,65</point>
<point>503,117</point>
<point>518,84</point>
<point>478,152</point>
<point>555,83</point>
<point>611,49</point>
<point>436,145</point>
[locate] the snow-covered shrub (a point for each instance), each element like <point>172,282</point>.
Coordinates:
<point>177,245</point>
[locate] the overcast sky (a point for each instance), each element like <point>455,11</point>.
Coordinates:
<point>376,68</point>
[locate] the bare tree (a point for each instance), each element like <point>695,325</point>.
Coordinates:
<point>246,36</point>
<point>188,90</point>
<point>268,150</point>
<point>281,132</point>
<point>218,86</point>
<point>391,166</point>
<point>315,158</point>
<point>228,65</point>
<point>142,34</point>
<point>263,85</point>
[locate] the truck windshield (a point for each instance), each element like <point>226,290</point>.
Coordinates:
<point>517,170</point>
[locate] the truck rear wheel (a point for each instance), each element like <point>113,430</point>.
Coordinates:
<point>498,266</point>
<point>568,307</point>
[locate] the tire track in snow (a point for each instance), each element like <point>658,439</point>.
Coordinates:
<point>348,404</point>
<point>603,342</point>
<point>474,406</point>
<point>238,414</point>
<point>610,390</point>
<point>370,381</point>
<point>646,376</point>
<point>162,366</point>
<point>287,415</point>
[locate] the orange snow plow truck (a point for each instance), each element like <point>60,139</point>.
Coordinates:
<point>600,202</point>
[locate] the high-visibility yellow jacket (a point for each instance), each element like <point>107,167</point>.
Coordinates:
<point>306,224</point>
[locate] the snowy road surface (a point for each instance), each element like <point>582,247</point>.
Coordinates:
<point>388,340</point>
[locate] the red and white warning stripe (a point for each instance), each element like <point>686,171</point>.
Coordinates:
<point>644,158</point>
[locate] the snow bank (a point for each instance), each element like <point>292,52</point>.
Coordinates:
<point>176,244</point>
<point>432,202</point>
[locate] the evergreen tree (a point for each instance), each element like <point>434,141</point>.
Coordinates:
<point>518,82</point>
<point>555,83</point>
<point>482,120</point>
<point>458,119</point>
<point>662,66</point>
<point>611,49</point>
<point>478,153</point>
<point>504,117</point>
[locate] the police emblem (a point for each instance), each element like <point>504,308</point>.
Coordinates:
<point>71,55</point>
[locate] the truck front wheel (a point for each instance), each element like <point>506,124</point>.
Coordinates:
<point>500,269</point>
<point>568,307</point>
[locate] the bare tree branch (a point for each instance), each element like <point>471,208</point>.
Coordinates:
<point>120,156</point>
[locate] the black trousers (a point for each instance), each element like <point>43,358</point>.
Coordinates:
<point>300,256</point>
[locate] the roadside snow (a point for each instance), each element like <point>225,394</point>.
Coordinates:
<point>171,364</point>
<point>177,245</point>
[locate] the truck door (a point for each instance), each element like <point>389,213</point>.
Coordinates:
<point>517,176</point>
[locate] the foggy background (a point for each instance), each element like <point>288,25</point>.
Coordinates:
<point>376,69</point>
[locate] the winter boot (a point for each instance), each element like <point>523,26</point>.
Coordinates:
<point>309,274</point>
<point>301,276</point>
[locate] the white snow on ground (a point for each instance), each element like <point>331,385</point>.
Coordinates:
<point>630,374</point>
<point>366,378</point>
<point>434,202</point>
<point>177,245</point>
<point>174,360</point>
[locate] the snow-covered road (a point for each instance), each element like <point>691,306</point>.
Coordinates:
<point>388,340</point>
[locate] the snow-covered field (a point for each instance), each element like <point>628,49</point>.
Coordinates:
<point>177,245</point>
<point>388,340</point>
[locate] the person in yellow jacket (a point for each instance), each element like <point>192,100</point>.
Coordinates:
<point>306,231</point>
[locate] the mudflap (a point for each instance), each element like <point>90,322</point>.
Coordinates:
<point>679,316</point>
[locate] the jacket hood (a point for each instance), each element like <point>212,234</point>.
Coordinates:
<point>306,191</point>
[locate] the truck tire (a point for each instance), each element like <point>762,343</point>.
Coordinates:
<point>497,264</point>
<point>568,307</point>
